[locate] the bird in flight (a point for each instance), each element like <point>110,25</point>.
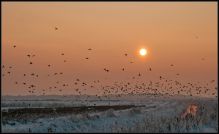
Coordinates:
<point>126,54</point>
<point>14,46</point>
<point>106,70</point>
<point>89,49</point>
<point>212,81</point>
<point>56,28</point>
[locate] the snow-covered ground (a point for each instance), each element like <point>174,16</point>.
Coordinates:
<point>154,114</point>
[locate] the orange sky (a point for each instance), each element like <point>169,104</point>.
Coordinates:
<point>168,30</point>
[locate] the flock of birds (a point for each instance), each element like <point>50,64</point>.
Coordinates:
<point>161,87</point>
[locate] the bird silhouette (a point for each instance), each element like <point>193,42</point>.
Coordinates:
<point>212,81</point>
<point>106,70</point>
<point>56,28</point>
<point>14,46</point>
<point>89,49</point>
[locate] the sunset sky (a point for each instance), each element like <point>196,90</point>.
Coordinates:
<point>180,33</point>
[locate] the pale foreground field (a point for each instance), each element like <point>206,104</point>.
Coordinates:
<point>139,113</point>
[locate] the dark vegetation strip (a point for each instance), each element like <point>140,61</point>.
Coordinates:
<point>62,110</point>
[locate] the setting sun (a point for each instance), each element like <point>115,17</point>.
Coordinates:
<point>143,52</point>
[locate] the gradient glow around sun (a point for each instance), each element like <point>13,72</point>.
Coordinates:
<point>143,52</point>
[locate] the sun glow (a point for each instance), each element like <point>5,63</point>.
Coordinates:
<point>143,52</point>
